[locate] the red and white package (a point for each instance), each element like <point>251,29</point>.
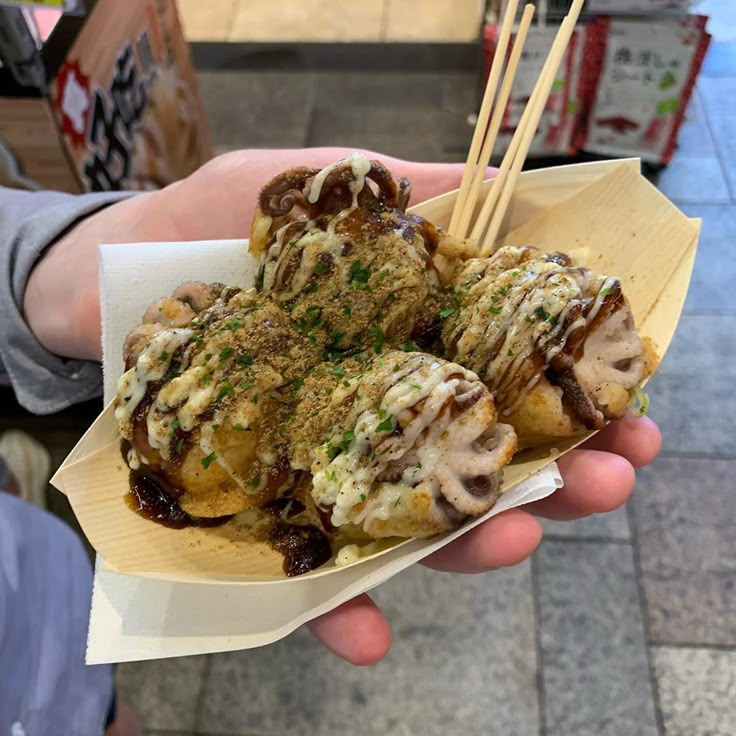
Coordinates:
<point>645,84</point>
<point>555,134</point>
<point>638,6</point>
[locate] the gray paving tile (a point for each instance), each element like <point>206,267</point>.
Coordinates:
<point>720,61</point>
<point>613,525</point>
<point>461,92</point>
<point>370,89</point>
<point>415,133</point>
<point>691,394</point>
<point>722,16</point>
<point>697,691</point>
<point>163,692</point>
<point>257,109</point>
<point>717,95</point>
<point>596,674</point>
<point>683,517</point>
<point>694,179</point>
<point>714,274</point>
<point>694,138</point>
<point>463,661</point>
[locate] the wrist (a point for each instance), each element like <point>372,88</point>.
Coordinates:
<point>61,301</point>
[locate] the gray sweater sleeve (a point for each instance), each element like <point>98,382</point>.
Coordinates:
<point>29,222</point>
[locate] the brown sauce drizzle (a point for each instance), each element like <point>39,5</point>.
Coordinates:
<point>304,547</point>
<point>149,497</point>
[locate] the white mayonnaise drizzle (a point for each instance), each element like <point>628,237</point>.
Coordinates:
<point>432,447</point>
<point>360,166</point>
<point>525,306</point>
<point>134,461</point>
<point>152,365</point>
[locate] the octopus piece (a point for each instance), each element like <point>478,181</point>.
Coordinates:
<point>556,344</point>
<point>338,250</point>
<point>407,445</point>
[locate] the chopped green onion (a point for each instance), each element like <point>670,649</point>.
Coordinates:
<point>447,311</point>
<point>227,388</point>
<point>386,425</point>
<point>359,275</point>
<point>207,461</point>
<point>225,353</point>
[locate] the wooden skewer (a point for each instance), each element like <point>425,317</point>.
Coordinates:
<point>485,112</point>
<point>523,137</point>
<point>545,83</point>
<point>499,182</point>
<point>490,141</point>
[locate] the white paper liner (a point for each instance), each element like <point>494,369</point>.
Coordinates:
<point>136,618</point>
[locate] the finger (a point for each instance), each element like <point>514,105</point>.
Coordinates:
<point>595,482</point>
<point>503,540</point>
<point>356,631</point>
<point>638,439</point>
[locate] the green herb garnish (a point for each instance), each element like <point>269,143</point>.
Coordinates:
<point>545,316</point>
<point>447,311</point>
<point>386,425</point>
<point>226,388</point>
<point>207,461</point>
<point>376,333</point>
<point>359,275</point>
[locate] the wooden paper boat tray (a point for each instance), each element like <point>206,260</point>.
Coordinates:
<point>606,214</point>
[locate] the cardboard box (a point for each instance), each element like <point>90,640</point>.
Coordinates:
<point>121,109</point>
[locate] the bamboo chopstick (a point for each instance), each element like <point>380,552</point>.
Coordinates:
<point>485,112</point>
<point>469,204</point>
<point>498,198</point>
<point>545,83</point>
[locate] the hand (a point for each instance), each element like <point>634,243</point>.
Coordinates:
<point>599,476</point>
<point>62,296</point>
